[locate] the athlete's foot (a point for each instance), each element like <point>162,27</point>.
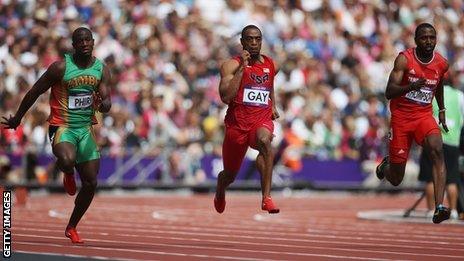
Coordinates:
<point>441,214</point>
<point>69,184</point>
<point>269,206</point>
<point>72,234</point>
<point>379,170</point>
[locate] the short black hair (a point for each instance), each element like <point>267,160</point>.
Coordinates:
<point>423,26</point>
<point>250,26</point>
<point>78,30</point>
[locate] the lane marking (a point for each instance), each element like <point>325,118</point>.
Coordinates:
<point>266,239</point>
<point>198,247</point>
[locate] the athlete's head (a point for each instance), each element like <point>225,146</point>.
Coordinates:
<point>251,40</point>
<point>82,41</point>
<point>426,38</point>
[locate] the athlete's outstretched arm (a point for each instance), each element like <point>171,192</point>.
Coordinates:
<point>394,89</point>
<point>104,104</point>
<point>52,75</point>
<point>441,104</point>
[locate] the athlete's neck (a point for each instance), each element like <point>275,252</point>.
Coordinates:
<point>256,58</point>
<point>83,61</point>
<point>423,56</point>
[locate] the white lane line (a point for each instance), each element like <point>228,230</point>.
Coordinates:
<point>184,215</point>
<point>406,233</point>
<point>195,247</point>
<point>279,220</point>
<point>267,239</point>
<point>68,255</point>
<point>281,235</point>
<point>139,251</point>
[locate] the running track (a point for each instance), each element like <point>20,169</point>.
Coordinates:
<point>318,226</point>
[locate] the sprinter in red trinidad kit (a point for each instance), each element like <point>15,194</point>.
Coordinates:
<point>416,77</point>
<point>247,86</point>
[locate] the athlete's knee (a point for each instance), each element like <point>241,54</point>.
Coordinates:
<point>264,145</point>
<point>228,177</point>
<point>66,160</point>
<point>436,153</point>
<point>395,177</point>
<point>90,184</point>
<point>395,181</point>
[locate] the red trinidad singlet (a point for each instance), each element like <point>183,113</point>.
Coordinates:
<point>419,101</point>
<point>253,103</point>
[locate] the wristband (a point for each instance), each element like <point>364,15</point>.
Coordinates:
<point>442,110</point>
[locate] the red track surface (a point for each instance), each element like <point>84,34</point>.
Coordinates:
<point>168,227</point>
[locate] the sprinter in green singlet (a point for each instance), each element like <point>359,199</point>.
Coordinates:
<point>79,87</point>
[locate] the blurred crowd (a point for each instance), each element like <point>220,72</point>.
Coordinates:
<point>334,55</point>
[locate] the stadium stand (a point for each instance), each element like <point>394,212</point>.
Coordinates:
<point>166,122</point>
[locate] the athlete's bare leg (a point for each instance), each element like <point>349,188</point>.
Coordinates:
<point>65,154</point>
<point>225,178</point>
<point>394,172</point>
<point>429,196</point>
<point>433,145</point>
<point>264,160</point>
<point>264,163</point>
<point>88,172</point>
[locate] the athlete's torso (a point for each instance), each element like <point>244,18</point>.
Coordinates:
<point>419,101</point>
<point>253,103</point>
<point>71,100</point>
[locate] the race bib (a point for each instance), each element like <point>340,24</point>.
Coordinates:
<point>256,97</point>
<point>80,101</point>
<point>424,96</point>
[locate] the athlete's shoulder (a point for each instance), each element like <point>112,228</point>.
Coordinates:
<point>401,62</point>
<point>99,65</point>
<point>441,61</point>
<point>57,67</point>
<point>236,58</point>
<point>404,56</point>
<point>271,62</point>
<point>99,61</point>
<point>268,58</point>
<point>440,57</point>
<point>409,52</point>
<point>230,65</point>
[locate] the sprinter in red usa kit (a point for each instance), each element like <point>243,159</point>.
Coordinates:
<point>247,86</point>
<point>416,78</point>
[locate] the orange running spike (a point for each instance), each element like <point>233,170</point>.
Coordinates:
<point>72,234</point>
<point>268,205</point>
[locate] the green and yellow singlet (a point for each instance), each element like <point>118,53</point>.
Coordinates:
<point>71,100</point>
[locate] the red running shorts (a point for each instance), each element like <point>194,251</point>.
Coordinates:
<point>236,142</point>
<point>404,130</point>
